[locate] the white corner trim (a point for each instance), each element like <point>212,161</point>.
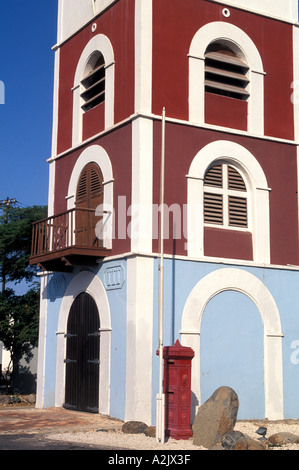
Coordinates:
<point>141,224</point>
<point>139,339</point>
<point>143,55</point>
<point>42,340</point>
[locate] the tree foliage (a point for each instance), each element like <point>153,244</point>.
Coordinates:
<point>19,319</point>
<point>15,242</point>
<point>19,314</point>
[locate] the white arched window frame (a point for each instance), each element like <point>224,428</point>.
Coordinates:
<point>238,39</point>
<point>101,44</point>
<point>257,194</point>
<point>96,154</point>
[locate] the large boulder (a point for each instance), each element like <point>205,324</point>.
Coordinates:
<point>216,417</point>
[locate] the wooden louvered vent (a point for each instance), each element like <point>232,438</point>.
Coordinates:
<point>89,197</point>
<point>213,201</point>
<point>223,204</point>
<point>89,186</point>
<point>93,85</point>
<point>225,73</point>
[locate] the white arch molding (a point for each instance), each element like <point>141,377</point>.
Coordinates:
<point>98,155</point>
<point>87,282</point>
<point>246,283</point>
<point>258,196</point>
<point>229,33</point>
<point>100,43</point>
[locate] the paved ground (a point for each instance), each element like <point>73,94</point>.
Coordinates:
<point>23,427</point>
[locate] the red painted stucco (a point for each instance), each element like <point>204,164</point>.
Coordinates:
<point>117,24</point>
<point>175,22</point>
<point>279,163</point>
<point>224,111</point>
<point>118,147</point>
<point>228,244</point>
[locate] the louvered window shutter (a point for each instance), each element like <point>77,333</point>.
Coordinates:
<point>90,187</point>
<point>237,205</point>
<point>213,208</point>
<point>93,85</point>
<point>223,204</point>
<point>225,73</point>
<point>89,196</point>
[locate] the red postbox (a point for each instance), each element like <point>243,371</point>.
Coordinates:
<point>177,390</point>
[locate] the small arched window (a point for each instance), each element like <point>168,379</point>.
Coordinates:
<point>226,72</point>
<point>93,82</point>
<point>225,197</point>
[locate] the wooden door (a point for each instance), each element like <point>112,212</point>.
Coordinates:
<point>89,196</point>
<point>82,356</point>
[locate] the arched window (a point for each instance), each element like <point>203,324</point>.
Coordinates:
<point>93,82</point>
<point>93,85</point>
<point>226,72</point>
<point>223,59</point>
<point>227,188</point>
<point>225,197</point>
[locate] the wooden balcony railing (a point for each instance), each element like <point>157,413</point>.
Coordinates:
<point>67,239</point>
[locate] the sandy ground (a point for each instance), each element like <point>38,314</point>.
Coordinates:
<point>120,440</point>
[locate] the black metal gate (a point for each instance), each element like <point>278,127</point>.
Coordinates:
<point>82,356</point>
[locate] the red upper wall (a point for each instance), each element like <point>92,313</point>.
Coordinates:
<point>279,163</point>
<point>176,22</point>
<point>117,23</point>
<point>118,146</point>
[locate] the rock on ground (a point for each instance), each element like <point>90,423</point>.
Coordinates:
<point>215,418</point>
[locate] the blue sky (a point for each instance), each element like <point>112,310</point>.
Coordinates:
<point>28,32</point>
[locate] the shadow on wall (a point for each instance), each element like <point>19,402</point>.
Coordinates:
<point>194,406</point>
<point>25,374</point>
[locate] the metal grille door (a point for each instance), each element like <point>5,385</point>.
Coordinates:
<point>82,356</point>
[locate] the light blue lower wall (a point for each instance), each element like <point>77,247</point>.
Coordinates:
<point>116,293</point>
<point>232,333</point>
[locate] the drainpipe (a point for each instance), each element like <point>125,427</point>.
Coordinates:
<point>160,414</point>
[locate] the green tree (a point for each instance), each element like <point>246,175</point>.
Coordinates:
<point>19,319</point>
<point>15,242</point>
<point>19,314</point>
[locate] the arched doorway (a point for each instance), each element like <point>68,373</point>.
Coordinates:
<point>82,355</point>
<point>232,351</point>
<point>246,283</point>
<point>89,196</point>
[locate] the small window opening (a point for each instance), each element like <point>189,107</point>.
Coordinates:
<point>225,72</point>
<point>93,85</point>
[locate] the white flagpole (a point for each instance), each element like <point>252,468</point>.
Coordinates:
<point>160,414</point>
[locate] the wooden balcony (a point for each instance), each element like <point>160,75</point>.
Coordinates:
<point>66,240</point>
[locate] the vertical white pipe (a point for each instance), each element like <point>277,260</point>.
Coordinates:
<point>160,432</point>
